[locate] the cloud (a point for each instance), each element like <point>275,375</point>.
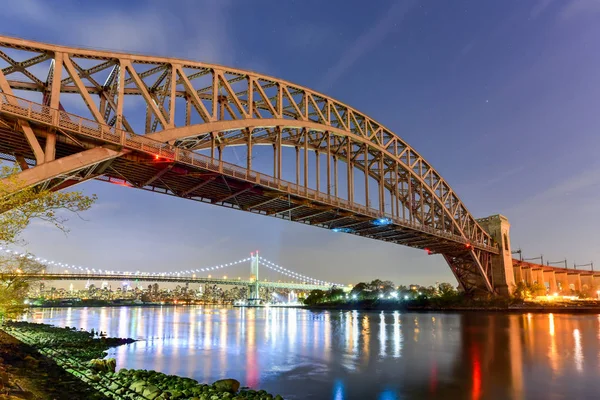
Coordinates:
<point>576,8</point>
<point>500,177</point>
<point>468,47</point>
<point>576,184</point>
<point>367,41</point>
<point>539,8</point>
<point>196,31</point>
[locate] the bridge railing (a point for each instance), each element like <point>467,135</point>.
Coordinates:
<point>57,118</point>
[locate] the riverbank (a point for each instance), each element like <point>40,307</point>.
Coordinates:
<point>525,307</point>
<point>27,374</point>
<point>73,356</point>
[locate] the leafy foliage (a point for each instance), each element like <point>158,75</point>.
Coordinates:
<point>15,282</point>
<point>525,290</point>
<point>19,206</point>
<point>332,295</point>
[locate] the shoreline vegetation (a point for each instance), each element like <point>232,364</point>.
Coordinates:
<point>526,307</point>
<point>381,295</point>
<point>44,361</point>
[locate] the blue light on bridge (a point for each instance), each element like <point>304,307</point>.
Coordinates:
<point>344,230</point>
<point>382,221</point>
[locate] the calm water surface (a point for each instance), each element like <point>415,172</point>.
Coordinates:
<point>358,355</point>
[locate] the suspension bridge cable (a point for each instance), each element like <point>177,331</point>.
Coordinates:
<point>263,261</point>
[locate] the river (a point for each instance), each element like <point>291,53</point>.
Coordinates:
<point>343,355</point>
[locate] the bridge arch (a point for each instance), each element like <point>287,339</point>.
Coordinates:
<point>177,136</point>
<point>192,106</point>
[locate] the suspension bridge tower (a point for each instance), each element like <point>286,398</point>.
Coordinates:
<point>254,292</point>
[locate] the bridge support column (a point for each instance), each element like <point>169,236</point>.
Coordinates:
<point>551,279</point>
<point>587,285</point>
<point>518,272</point>
<point>575,280</point>
<point>562,283</point>
<point>538,276</point>
<point>596,283</point>
<point>254,290</point>
<point>503,277</point>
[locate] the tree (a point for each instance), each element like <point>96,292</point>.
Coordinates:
<point>15,282</point>
<point>359,291</point>
<point>446,288</point>
<point>316,296</point>
<point>19,206</point>
<point>335,294</point>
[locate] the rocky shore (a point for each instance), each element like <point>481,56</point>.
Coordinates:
<point>74,363</point>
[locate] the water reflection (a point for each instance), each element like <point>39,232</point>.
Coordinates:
<point>358,355</point>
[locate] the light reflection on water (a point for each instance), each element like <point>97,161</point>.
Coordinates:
<point>358,355</point>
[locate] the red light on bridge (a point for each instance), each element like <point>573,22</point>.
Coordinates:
<point>469,246</point>
<point>156,157</point>
<point>428,251</point>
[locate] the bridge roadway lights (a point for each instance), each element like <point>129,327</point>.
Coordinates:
<point>154,278</point>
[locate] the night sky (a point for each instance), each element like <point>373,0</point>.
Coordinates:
<point>501,97</point>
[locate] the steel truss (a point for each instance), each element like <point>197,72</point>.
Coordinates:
<point>164,124</point>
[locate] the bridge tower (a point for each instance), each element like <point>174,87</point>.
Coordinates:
<point>503,278</point>
<point>254,293</point>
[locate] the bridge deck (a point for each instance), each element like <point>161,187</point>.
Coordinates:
<point>172,279</point>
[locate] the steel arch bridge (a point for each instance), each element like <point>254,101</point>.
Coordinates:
<point>165,125</point>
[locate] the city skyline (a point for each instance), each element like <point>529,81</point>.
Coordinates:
<point>480,132</point>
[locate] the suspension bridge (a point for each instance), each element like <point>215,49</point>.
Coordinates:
<point>60,271</point>
<point>171,126</point>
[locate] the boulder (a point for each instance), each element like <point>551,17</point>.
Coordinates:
<point>103,365</point>
<point>138,386</point>
<point>227,385</point>
<point>150,389</point>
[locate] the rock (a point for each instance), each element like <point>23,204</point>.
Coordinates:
<point>227,385</point>
<point>150,389</point>
<point>138,386</point>
<point>103,365</point>
<point>152,396</point>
